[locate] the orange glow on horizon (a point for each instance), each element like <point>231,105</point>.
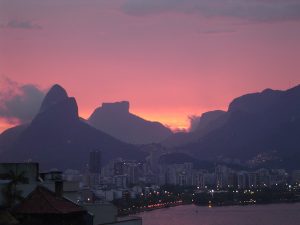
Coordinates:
<point>174,121</point>
<point>4,125</point>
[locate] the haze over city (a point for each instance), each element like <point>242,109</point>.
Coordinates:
<point>169,59</point>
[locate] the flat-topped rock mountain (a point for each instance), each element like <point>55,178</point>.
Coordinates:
<point>116,120</point>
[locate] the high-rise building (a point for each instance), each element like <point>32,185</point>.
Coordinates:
<point>296,176</point>
<point>119,167</point>
<point>253,179</point>
<point>221,173</point>
<point>232,180</point>
<point>264,178</point>
<point>242,180</point>
<point>95,162</point>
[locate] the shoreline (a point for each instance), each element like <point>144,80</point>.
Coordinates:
<point>151,208</point>
<point>247,204</point>
<point>146,209</point>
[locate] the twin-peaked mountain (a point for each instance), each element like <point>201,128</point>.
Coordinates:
<point>262,126</point>
<point>58,137</point>
<point>116,120</point>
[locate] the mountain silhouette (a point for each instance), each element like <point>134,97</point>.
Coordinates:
<point>55,95</point>
<point>265,122</point>
<point>58,138</point>
<point>116,120</point>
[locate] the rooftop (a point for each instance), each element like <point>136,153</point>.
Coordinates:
<point>44,201</point>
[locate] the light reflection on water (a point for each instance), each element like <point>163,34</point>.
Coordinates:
<point>276,214</point>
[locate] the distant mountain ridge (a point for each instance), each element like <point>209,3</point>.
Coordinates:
<point>58,138</point>
<point>265,122</point>
<point>116,120</point>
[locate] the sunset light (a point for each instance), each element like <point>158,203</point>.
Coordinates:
<point>153,112</point>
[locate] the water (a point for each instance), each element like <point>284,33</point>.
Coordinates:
<point>277,214</point>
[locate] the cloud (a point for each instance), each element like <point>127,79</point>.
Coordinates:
<point>194,122</point>
<point>250,10</point>
<point>217,31</point>
<point>19,103</point>
<point>17,24</point>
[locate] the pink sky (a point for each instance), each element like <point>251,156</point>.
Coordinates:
<point>169,60</point>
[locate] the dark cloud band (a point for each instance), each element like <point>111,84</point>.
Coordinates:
<point>260,11</point>
<point>17,24</point>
